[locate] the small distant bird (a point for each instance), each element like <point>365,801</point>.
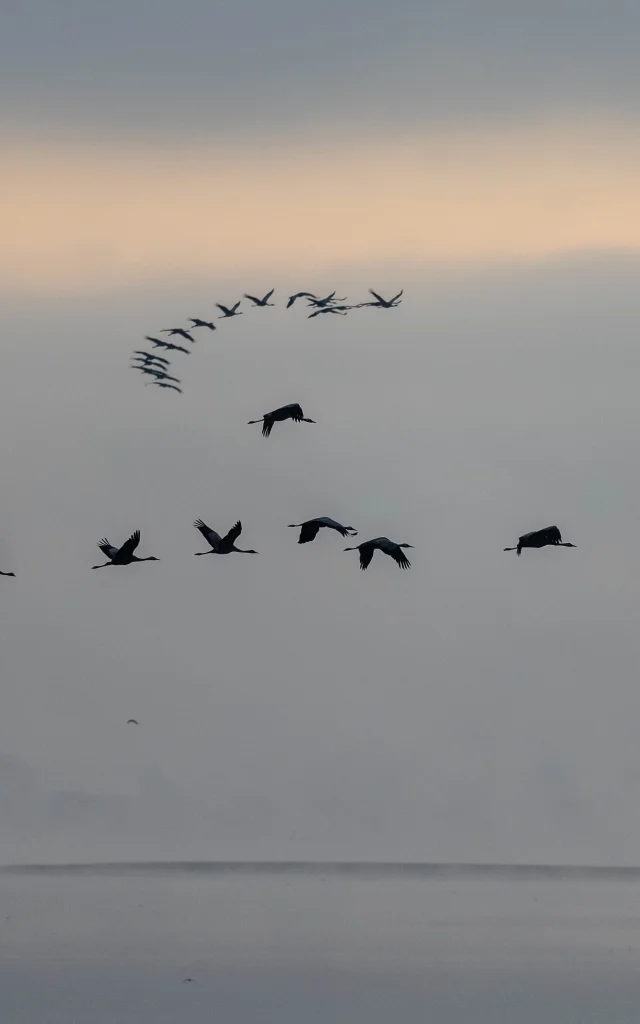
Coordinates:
<point>221,545</point>
<point>161,384</point>
<point>326,301</point>
<point>162,375</point>
<point>123,555</point>
<point>340,310</point>
<point>383,303</point>
<point>151,371</point>
<point>132,721</point>
<point>226,312</point>
<point>202,323</point>
<point>261,302</point>
<point>192,980</point>
<point>389,547</point>
<point>178,330</point>
<point>540,539</point>
<point>311,526</point>
<point>285,412</point>
<point>149,357</point>
<point>169,345</point>
<point>300,295</point>
<point>7,573</point>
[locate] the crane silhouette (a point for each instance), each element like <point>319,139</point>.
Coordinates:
<point>311,527</point>
<point>381,303</point>
<point>550,535</point>
<point>227,312</point>
<point>264,301</point>
<point>180,331</point>
<point>285,412</point>
<point>221,545</point>
<point>202,323</point>
<point>123,555</point>
<point>388,547</point>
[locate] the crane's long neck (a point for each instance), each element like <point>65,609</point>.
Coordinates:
<point>102,565</point>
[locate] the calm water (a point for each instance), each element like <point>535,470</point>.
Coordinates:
<point>318,947</point>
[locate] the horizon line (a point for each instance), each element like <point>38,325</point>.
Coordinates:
<point>355,869</point>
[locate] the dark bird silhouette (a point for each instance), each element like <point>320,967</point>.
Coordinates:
<point>550,535</point>
<point>310,528</point>
<point>178,330</point>
<point>149,357</point>
<point>123,555</point>
<point>168,345</point>
<point>221,545</point>
<point>7,573</point>
<point>226,312</point>
<point>132,721</point>
<point>202,323</point>
<point>285,412</point>
<point>261,302</point>
<point>326,301</point>
<point>192,980</point>
<point>389,547</point>
<point>162,384</point>
<point>340,310</point>
<point>151,371</point>
<point>300,295</point>
<point>381,303</point>
<point>161,375</point>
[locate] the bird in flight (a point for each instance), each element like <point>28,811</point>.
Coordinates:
<point>162,375</point>
<point>311,526</point>
<point>381,303</point>
<point>123,555</point>
<point>151,371</point>
<point>202,323</point>
<point>327,300</point>
<point>7,573</point>
<point>163,384</point>
<point>340,310</point>
<point>226,312</point>
<point>285,412</point>
<point>168,345</point>
<point>550,535</point>
<point>132,721</point>
<point>263,301</point>
<point>221,545</point>
<point>178,330</point>
<point>389,547</point>
<point>300,295</point>
<point>148,357</point>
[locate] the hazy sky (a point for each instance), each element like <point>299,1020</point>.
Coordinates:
<point>485,157</point>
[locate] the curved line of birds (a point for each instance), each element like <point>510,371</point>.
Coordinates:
<point>222,545</point>
<point>158,367</point>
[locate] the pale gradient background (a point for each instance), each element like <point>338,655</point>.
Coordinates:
<point>157,157</point>
<point>485,156</point>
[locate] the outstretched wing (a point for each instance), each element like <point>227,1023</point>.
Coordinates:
<point>366,554</point>
<point>107,549</point>
<point>268,295</point>
<point>267,425</point>
<point>258,302</point>
<point>299,295</point>
<point>209,535</point>
<point>376,296</point>
<point>396,297</point>
<point>130,545</point>
<point>224,309</point>
<point>399,556</point>
<point>233,534</point>
<point>233,308</point>
<point>308,532</point>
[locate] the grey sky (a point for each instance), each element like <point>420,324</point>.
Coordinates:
<point>479,706</point>
<point>157,68</point>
